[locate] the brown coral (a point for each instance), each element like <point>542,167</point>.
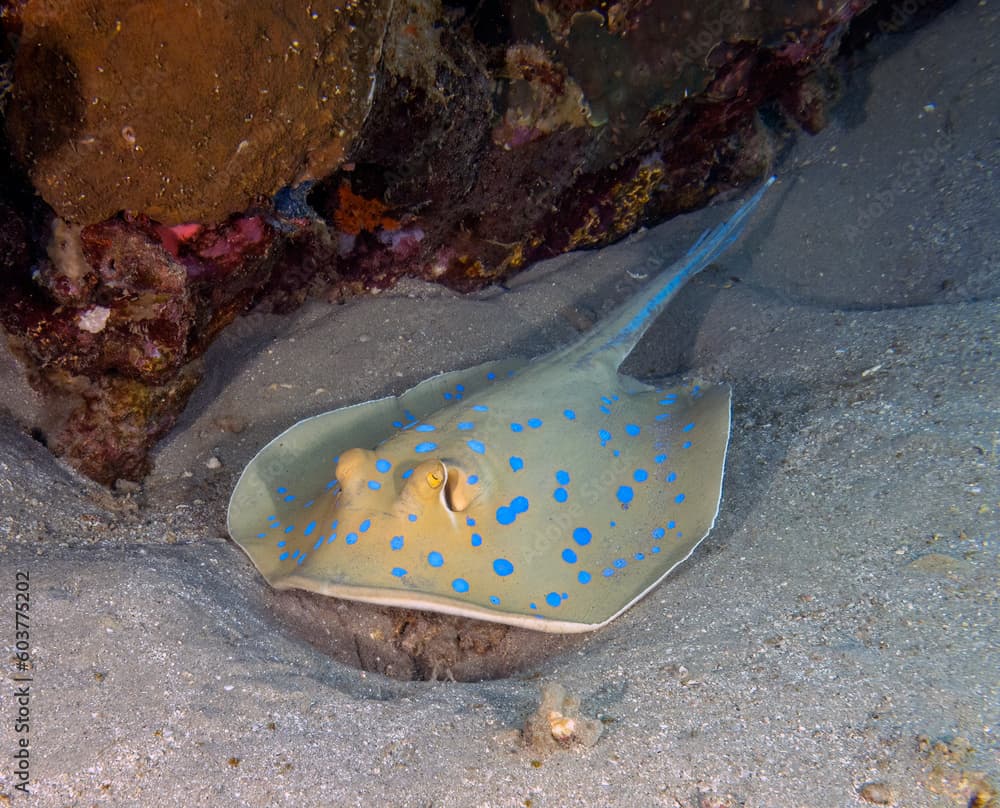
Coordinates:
<point>187,111</point>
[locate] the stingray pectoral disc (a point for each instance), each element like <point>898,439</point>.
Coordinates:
<point>504,511</point>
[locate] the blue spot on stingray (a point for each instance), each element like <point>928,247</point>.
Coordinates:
<point>534,423</point>
<point>668,400</point>
<point>516,427</point>
<point>625,494</point>
<point>290,498</point>
<point>640,475</point>
<point>363,527</point>
<point>309,529</point>
<point>491,375</point>
<point>612,523</point>
<point>435,559</point>
<point>679,499</point>
<point>425,447</point>
<point>334,523</point>
<point>476,446</point>
<point>460,585</point>
<point>582,536</point>
<point>639,556</point>
<point>502,567</point>
<point>282,490</point>
<point>570,415</point>
<point>686,444</point>
<point>283,557</point>
<point>301,559</point>
<point>476,540</point>
<point>480,407</point>
<point>560,495</point>
<point>607,572</point>
<point>583,577</point>
<point>383,465</point>
<point>397,424</point>
<point>569,556</point>
<point>465,425</point>
<point>506,514</point>
<point>632,429</point>
<point>655,550</point>
<point>604,435</point>
<point>671,525</point>
<point>331,484</point>
<point>424,428</point>
<point>396,543</point>
<point>562,477</point>
<point>616,453</point>
<point>318,544</point>
<point>605,399</point>
<point>409,415</point>
<point>663,416</point>
<point>447,396</point>
<point>351,538</point>
<point>621,563</point>
<point>473,479</point>
<point>407,474</point>
<point>374,485</point>
<point>261,535</point>
<point>494,600</point>
<point>688,427</point>
<point>470,521</point>
<point>605,410</point>
<point>289,529</point>
<point>660,458</point>
<point>282,543</point>
<point>399,572</point>
<point>333,537</point>
<point>553,599</point>
<point>516,463</point>
<point>658,532</point>
<point>412,517</point>
<point>309,503</point>
<point>671,476</point>
<point>459,388</point>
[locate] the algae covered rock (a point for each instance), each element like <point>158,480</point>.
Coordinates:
<point>187,111</point>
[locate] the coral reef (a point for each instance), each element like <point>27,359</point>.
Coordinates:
<point>168,165</point>
<point>135,305</point>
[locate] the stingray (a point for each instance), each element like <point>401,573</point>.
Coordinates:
<point>550,494</point>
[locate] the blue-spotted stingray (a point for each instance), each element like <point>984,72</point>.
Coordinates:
<point>550,494</point>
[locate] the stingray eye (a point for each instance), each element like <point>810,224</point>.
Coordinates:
<point>435,478</point>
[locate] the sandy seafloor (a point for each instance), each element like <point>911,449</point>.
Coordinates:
<point>845,605</point>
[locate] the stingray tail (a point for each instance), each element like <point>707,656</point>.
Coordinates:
<point>615,338</point>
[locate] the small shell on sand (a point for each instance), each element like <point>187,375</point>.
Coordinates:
<point>876,793</point>
<point>557,723</point>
